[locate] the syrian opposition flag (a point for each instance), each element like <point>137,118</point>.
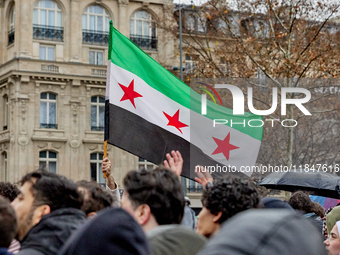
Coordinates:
<point>150,112</point>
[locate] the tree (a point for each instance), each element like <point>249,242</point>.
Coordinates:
<point>282,44</point>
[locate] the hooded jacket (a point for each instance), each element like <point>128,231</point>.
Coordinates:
<point>266,232</point>
<point>47,237</point>
<point>113,231</point>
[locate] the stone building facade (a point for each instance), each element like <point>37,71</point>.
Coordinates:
<point>52,81</point>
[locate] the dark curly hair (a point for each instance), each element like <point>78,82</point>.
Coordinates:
<point>230,196</point>
<point>160,189</point>
<point>97,198</point>
<point>301,201</point>
<point>9,190</point>
<point>53,190</point>
<point>8,223</point>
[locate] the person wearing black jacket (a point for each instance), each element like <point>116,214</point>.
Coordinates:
<point>48,211</point>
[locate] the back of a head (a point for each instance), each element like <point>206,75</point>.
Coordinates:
<point>160,189</point>
<point>272,202</point>
<point>8,223</point>
<point>9,190</point>
<point>53,190</point>
<point>95,197</point>
<point>301,201</point>
<point>113,231</point>
<point>230,196</point>
<point>266,232</point>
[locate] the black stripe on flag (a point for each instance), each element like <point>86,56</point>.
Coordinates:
<point>134,134</point>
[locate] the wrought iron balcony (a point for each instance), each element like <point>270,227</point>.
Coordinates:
<point>94,128</point>
<point>194,189</point>
<point>144,42</point>
<point>95,37</point>
<point>45,125</point>
<point>10,37</point>
<point>48,33</point>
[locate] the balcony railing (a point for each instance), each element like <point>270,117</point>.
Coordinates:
<point>45,125</point>
<point>93,128</point>
<point>95,37</point>
<point>50,68</point>
<point>48,33</point>
<point>144,42</point>
<point>193,189</point>
<point>10,37</point>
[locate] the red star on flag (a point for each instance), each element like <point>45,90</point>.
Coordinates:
<point>174,121</point>
<point>129,93</point>
<point>224,146</point>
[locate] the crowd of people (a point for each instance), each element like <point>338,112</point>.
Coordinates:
<point>50,214</point>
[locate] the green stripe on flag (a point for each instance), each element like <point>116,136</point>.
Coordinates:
<point>125,54</point>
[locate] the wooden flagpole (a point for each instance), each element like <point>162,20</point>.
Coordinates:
<point>105,153</point>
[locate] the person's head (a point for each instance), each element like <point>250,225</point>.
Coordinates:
<point>272,202</point>
<point>332,217</point>
<point>8,190</point>
<point>95,197</point>
<point>153,197</point>
<point>333,241</point>
<point>8,223</point>
<point>222,200</point>
<point>41,193</point>
<point>301,201</point>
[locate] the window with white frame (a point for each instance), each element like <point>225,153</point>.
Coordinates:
<point>47,52</point>
<point>96,57</point>
<point>96,19</point>
<point>48,110</point>
<point>11,24</point>
<point>48,161</point>
<point>143,163</point>
<point>142,24</point>
<point>190,63</point>
<point>224,67</point>
<point>195,22</point>
<point>96,168</point>
<point>4,162</point>
<point>190,185</point>
<point>97,113</point>
<point>5,112</point>
<point>47,13</point>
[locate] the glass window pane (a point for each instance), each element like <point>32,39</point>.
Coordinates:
<point>93,171</point>
<point>92,59</point>
<point>107,24</point>
<point>101,156</point>
<point>43,20</point>
<point>43,95</point>
<point>52,167</point>
<point>51,18</point>
<point>93,116</point>
<point>92,9</point>
<point>139,15</point>
<point>92,22</point>
<point>50,53</point>
<point>93,156</point>
<point>42,165</point>
<point>99,10</point>
<point>52,154</point>
<point>59,19</point>
<point>35,17</point>
<point>101,177</point>
<point>146,28</point>
<point>94,99</point>
<point>42,154</point>
<point>52,114</point>
<point>132,27</point>
<point>42,53</point>
<point>101,100</point>
<point>138,27</point>
<point>52,96</point>
<point>101,116</point>
<point>100,23</point>
<point>84,22</point>
<point>100,58</point>
<point>43,112</point>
